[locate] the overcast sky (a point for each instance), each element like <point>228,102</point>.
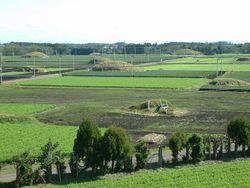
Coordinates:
<point>83,21</point>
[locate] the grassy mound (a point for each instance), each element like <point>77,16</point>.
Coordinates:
<point>160,106</point>
<point>228,82</point>
<point>187,52</point>
<point>35,54</point>
<point>105,64</point>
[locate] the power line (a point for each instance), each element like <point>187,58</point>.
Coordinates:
<point>1,69</point>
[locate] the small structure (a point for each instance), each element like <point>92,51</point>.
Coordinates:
<point>153,139</point>
<point>158,140</point>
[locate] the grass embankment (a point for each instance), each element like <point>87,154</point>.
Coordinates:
<point>120,82</point>
<point>226,174</point>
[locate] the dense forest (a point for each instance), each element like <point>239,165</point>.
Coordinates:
<point>20,48</point>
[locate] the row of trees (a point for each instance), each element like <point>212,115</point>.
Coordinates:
<point>20,48</point>
<point>111,152</point>
<point>92,152</point>
<point>212,146</point>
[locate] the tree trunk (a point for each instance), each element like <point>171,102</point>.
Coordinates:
<point>49,174</point>
<point>248,150</point>
<point>235,150</point>
<point>221,150</point>
<point>94,170</point>
<point>112,166</point>
<point>244,150</point>
<point>187,152</point>
<point>59,173</point>
<point>209,150</point>
<point>77,170</point>
<point>228,145</point>
<point>18,176</point>
<point>214,150</point>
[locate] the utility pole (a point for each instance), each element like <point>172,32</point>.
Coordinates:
<point>73,62</point>
<point>34,67</point>
<point>60,65</point>
<point>217,66</point>
<point>1,69</point>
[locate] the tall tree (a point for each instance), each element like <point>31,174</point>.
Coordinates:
<point>197,148</point>
<point>141,155</point>
<point>239,131</point>
<point>86,144</point>
<point>116,147</point>
<point>176,143</point>
<point>48,158</point>
<point>24,172</point>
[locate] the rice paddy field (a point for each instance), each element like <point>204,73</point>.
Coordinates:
<point>127,82</point>
<point>228,174</point>
<point>150,73</point>
<point>205,67</point>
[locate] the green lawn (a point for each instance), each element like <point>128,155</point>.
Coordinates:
<point>204,67</point>
<point>226,174</point>
<point>134,82</point>
<point>23,109</point>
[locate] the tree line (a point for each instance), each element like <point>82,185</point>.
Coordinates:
<point>97,154</point>
<point>21,48</point>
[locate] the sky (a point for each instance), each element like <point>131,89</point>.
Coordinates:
<point>131,21</point>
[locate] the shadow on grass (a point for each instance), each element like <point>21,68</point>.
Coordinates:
<point>7,184</point>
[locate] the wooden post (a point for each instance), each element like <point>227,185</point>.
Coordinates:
<point>160,158</point>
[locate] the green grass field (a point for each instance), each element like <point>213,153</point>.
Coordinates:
<point>23,109</point>
<point>31,135</point>
<point>150,73</point>
<point>17,138</point>
<point>127,82</point>
<point>204,67</point>
<point>226,174</point>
